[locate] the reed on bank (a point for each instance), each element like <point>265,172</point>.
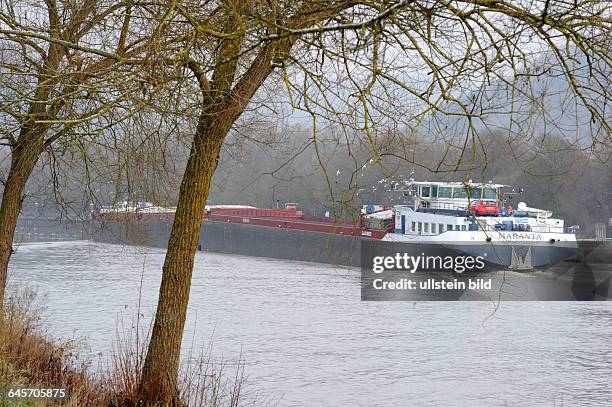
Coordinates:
<point>29,358</point>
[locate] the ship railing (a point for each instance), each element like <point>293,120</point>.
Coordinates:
<point>446,205</point>
<point>525,228</point>
<point>329,219</point>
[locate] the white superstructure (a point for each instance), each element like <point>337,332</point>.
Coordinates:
<point>443,211</point>
<point>135,207</point>
<point>147,207</point>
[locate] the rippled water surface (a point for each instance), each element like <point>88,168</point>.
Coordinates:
<point>308,340</point>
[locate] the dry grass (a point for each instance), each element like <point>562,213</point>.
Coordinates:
<point>28,358</point>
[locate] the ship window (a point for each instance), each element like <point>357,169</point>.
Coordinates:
<point>413,227</point>
<point>434,228</point>
<point>425,192</point>
<point>440,228</point>
<point>449,227</point>
<point>489,193</point>
<point>426,227</point>
<point>445,192</point>
<point>459,193</point>
<point>420,227</point>
<point>475,193</point>
<point>463,227</point>
<point>457,227</point>
<point>434,191</point>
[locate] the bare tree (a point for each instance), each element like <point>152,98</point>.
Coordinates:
<point>359,65</point>
<point>62,64</point>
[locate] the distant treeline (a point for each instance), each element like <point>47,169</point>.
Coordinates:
<point>574,182</point>
<point>283,165</point>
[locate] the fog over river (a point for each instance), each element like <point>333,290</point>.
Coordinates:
<point>308,340</point>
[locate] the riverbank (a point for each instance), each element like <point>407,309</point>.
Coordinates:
<point>36,370</point>
<point>29,359</point>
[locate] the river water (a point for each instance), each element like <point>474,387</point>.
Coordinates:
<point>308,340</point>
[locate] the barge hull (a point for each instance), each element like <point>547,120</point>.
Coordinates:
<point>248,240</point>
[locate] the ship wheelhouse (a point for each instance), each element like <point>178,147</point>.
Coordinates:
<point>453,195</point>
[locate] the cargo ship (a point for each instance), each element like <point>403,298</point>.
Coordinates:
<point>444,217</point>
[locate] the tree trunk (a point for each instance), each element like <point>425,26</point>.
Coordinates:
<point>160,373</point>
<point>222,107</point>
<point>23,160</point>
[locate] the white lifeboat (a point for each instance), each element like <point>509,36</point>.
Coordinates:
<point>540,213</point>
